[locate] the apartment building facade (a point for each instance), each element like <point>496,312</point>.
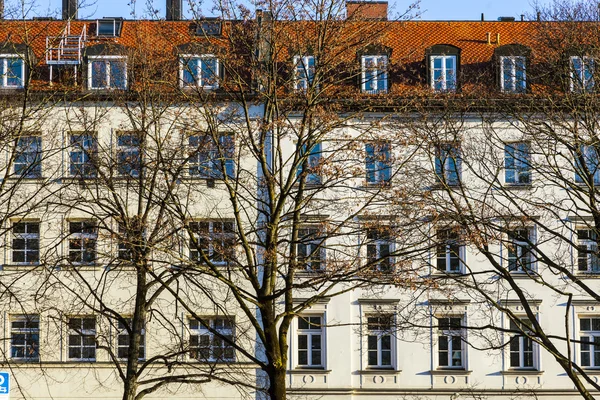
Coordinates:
<point>430,207</point>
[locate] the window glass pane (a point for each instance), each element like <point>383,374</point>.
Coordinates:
<point>99,74</point>
<point>117,74</point>
<point>14,72</point>
<point>190,72</point>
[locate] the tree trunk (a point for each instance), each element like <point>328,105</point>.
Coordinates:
<point>277,387</point>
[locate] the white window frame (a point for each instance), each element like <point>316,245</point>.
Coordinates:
<point>448,252</point>
<point>33,152</point>
<point>521,163</point>
<point>517,86</point>
<point>522,339</point>
<point>579,84</point>
<point>591,159</point>
<point>204,160</point>
<point>184,58</point>
<point>304,81</point>
<point>82,237</point>
<point>85,154</point>
<point>313,248</point>
<point>381,162</point>
<point>82,333</point>
<point>445,154</point>
<point>519,245</point>
<point>28,332</point>
<point>587,238</point>
<point>380,66</point>
<point>380,335</point>
<point>311,333</point>
<point>592,338</point>
<point>444,72</point>
<point>27,236</point>
<point>129,149</point>
<point>221,238</point>
<point>201,330</point>
<point>122,332</point>
<point>376,239</point>
<point>4,59</point>
<point>450,333</point>
<point>107,60</point>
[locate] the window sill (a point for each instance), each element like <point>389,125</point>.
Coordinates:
<point>517,186</point>
<point>449,274</point>
<point>308,370</point>
<point>522,371</point>
<point>28,179</point>
<point>588,275</point>
<point>589,371</point>
<point>450,371</point>
<point>377,186</point>
<point>380,371</point>
<point>523,275</point>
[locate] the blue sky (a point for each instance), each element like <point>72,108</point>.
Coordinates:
<point>431,9</point>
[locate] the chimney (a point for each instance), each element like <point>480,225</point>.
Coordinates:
<point>367,10</point>
<point>69,9</point>
<point>482,17</point>
<point>174,10</point>
<point>1,9</point>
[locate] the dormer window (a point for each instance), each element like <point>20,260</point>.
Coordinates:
<point>304,72</point>
<point>582,74</point>
<point>443,73</point>
<point>512,72</point>
<point>107,72</point>
<point>374,74</point>
<point>109,27</point>
<point>443,62</point>
<point>12,69</point>
<point>199,71</point>
<point>511,65</point>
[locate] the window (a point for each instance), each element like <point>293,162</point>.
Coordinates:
<point>313,162</point>
<point>212,338</point>
<point>587,251</point>
<point>28,157</point>
<point>448,164</point>
<point>310,249</point>
<point>450,342</point>
<point>379,341</point>
<point>374,74</point>
<point>589,337</point>
<point>201,71</point>
<point>123,340</point>
<point>82,242</point>
<point>304,72</point>
<point>520,251</point>
<point>124,244</point>
<point>582,74</point>
<point>84,151</point>
<point>209,28</point>
<point>310,341</point>
<point>25,337</point>
<point>108,27</point>
<point>590,168</point>
<point>26,242</point>
<point>443,72</point>
<point>517,163</point>
<point>216,239</point>
<point>107,72</point>
<point>522,348</point>
<point>450,251</point>
<point>208,159</point>
<point>378,164</point>
<point>12,68</point>
<point>82,338</point>
<point>129,155</point>
<point>379,247</point>
<point>512,71</point>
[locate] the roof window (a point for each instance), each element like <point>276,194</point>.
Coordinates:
<point>209,27</point>
<point>109,27</point>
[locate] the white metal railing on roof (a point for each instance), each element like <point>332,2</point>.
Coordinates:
<point>66,48</point>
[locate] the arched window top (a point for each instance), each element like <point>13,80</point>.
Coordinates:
<point>442,49</point>
<point>514,49</point>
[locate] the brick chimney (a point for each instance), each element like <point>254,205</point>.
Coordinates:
<point>69,9</point>
<point>367,10</point>
<point>174,10</point>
